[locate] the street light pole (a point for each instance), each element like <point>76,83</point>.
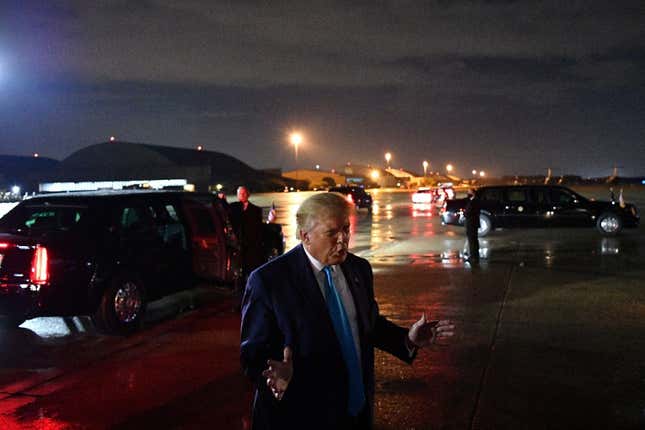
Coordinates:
<point>388,157</point>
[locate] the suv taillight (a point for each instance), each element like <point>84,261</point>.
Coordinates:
<point>39,266</point>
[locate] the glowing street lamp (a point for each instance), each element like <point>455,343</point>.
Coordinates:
<point>474,172</point>
<point>449,167</point>
<point>425,167</point>
<point>36,155</point>
<point>482,173</point>
<point>296,139</point>
<point>200,147</point>
<point>388,157</point>
<point>374,174</point>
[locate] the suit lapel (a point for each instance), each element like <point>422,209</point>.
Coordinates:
<point>306,282</point>
<point>358,293</point>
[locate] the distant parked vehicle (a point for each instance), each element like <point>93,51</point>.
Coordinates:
<point>356,195</point>
<point>107,254</point>
<point>424,195</point>
<point>542,206</point>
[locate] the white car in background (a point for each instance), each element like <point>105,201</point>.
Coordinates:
<point>423,195</point>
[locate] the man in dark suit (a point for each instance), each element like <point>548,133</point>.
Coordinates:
<point>471,215</point>
<point>310,324</point>
<point>247,224</point>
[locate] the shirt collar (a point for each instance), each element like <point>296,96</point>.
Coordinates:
<point>315,264</point>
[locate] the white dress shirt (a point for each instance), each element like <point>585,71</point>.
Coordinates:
<point>340,283</point>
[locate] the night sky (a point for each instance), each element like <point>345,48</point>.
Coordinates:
<point>511,87</point>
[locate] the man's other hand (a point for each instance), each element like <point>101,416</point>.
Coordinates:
<point>279,373</point>
<point>424,332</point>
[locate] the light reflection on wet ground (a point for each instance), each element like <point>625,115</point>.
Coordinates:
<point>400,232</point>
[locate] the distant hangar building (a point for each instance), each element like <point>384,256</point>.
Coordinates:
<point>126,161</point>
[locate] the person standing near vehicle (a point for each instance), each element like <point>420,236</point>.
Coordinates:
<point>471,215</point>
<point>247,224</point>
<point>310,324</point>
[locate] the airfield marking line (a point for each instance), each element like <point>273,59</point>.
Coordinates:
<point>491,348</point>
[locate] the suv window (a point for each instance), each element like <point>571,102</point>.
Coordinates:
<point>516,195</point>
<point>44,218</point>
<point>540,195</point>
<point>136,222</point>
<point>204,225</point>
<point>560,196</point>
<point>491,194</point>
<point>169,227</point>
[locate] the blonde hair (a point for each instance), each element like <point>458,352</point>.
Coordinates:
<point>319,206</point>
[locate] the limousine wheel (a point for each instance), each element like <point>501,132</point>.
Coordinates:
<point>609,224</point>
<point>122,306</point>
<point>485,225</point>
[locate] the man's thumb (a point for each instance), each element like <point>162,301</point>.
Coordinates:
<point>287,353</point>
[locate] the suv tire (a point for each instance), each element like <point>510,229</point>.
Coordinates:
<point>485,225</point>
<point>122,306</point>
<point>609,224</point>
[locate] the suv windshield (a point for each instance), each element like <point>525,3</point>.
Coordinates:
<point>28,218</point>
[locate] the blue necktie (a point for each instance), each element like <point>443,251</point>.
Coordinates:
<point>346,340</point>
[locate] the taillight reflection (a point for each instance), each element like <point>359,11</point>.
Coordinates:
<point>39,266</point>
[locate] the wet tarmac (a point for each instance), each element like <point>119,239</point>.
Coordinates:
<point>550,336</point>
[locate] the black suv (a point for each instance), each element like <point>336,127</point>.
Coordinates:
<point>107,254</point>
<point>356,195</point>
<point>542,206</point>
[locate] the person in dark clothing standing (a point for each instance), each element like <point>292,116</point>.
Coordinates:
<point>471,215</point>
<point>247,224</point>
<point>310,324</point>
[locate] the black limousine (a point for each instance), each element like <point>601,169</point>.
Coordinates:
<point>541,206</point>
<point>106,254</point>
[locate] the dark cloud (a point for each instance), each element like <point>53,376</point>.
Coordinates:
<point>539,83</point>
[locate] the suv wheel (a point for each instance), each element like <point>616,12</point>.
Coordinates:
<point>609,224</point>
<point>122,306</point>
<point>485,225</point>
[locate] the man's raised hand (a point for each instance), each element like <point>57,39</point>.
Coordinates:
<point>279,373</point>
<point>424,332</point>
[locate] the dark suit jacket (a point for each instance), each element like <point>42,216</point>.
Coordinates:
<point>247,225</point>
<point>283,305</point>
<point>471,214</point>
